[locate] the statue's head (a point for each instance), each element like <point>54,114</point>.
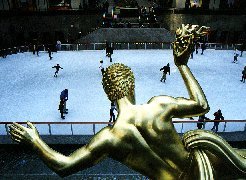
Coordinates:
<point>118,81</point>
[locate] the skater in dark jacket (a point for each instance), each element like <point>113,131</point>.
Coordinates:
<point>64,98</point>
<point>217,116</point>
<point>58,67</point>
<point>166,69</point>
<point>243,75</point>
<point>49,51</point>
<point>203,47</point>
<point>61,108</point>
<point>236,54</point>
<point>197,45</point>
<point>101,66</point>
<point>112,115</point>
<point>201,121</point>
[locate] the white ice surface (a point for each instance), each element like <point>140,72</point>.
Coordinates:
<point>30,92</point>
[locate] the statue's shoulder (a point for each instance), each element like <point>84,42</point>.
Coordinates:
<point>161,100</point>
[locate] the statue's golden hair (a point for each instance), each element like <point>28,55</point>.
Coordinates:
<point>118,81</point>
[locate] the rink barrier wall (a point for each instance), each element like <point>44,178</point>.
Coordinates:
<point>118,46</point>
<point>137,45</point>
<point>95,124</point>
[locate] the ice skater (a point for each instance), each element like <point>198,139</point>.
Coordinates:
<point>111,51</point>
<point>61,108</point>
<point>243,75</point>
<point>217,117</point>
<point>49,51</point>
<point>58,67</point>
<point>64,98</point>
<point>243,47</point>
<point>236,54</point>
<point>101,66</point>
<point>112,115</point>
<point>37,49</point>
<point>201,121</point>
<point>166,69</point>
<point>203,47</point>
<point>197,45</point>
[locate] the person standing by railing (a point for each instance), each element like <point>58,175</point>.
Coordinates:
<point>217,117</point>
<point>201,121</point>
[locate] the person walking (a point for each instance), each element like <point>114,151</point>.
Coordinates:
<point>166,69</point>
<point>217,117</point>
<point>57,67</point>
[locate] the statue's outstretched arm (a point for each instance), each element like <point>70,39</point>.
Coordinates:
<point>82,158</point>
<point>182,48</point>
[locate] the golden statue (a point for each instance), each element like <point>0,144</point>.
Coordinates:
<point>143,136</point>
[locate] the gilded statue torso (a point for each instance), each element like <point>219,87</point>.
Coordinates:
<point>158,135</point>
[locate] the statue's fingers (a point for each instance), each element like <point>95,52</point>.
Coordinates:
<point>15,139</point>
<point>29,124</point>
<point>19,126</point>
<point>16,135</point>
<point>12,128</point>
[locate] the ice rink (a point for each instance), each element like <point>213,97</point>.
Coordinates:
<point>29,91</point>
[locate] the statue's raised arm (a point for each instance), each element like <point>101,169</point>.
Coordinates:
<point>183,46</point>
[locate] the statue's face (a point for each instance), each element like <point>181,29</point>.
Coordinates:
<point>118,81</point>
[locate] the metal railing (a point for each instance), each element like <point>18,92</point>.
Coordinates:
<point>95,124</point>
<point>136,45</point>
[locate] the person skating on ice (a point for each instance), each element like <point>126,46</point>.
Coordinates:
<point>203,47</point>
<point>243,75</point>
<point>101,66</point>
<point>61,108</point>
<point>236,54</point>
<point>217,117</point>
<point>112,115</point>
<point>64,98</point>
<point>49,52</point>
<point>165,69</point>
<point>58,67</point>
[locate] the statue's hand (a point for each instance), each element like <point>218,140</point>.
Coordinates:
<point>23,134</point>
<point>183,46</point>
